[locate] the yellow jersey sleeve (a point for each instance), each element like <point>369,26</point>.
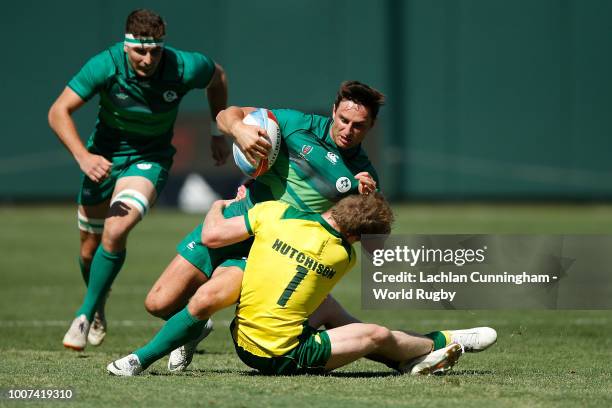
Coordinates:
<point>262,213</point>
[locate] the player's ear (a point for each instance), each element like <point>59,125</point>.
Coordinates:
<point>125,49</point>
<point>334,109</point>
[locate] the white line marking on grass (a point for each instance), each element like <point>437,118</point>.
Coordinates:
<point>65,323</point>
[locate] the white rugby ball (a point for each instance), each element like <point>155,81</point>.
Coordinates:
<point>264,119</point>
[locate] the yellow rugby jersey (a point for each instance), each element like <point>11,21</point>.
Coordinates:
<point>294,263</point>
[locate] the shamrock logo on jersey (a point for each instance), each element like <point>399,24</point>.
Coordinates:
<point>170,96</point>
<point>343,184</point>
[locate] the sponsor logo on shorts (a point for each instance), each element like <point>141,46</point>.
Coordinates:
<point>144,166</point>
<point>86,192</point>
<point>191,245</point>
<point>306,149</point>
<point>122,96</point>
<point>333,158</point>
<point>170,96</point>
<point>343,184</point>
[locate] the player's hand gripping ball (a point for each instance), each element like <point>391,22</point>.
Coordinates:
<point>264,119</point>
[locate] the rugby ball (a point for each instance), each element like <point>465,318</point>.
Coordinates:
<point>264,119</point>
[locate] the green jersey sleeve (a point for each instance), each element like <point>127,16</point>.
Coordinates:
<point>93,75</point>
<point>290,121</point>
<point>198,69</point>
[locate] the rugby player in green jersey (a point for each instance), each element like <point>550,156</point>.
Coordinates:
<point>321,161</point>
<point>126,161</point>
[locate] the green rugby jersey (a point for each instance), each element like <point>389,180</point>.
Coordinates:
<point>311,173</point>
<point>136,115</point>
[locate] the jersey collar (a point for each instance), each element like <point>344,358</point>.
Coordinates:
<point>347,245</point>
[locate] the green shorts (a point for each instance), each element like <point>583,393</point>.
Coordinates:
<point>308,357</point>
<point>208,259</point>
<point>152,168</point>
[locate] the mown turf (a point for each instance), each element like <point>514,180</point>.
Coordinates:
<point>543,358</point>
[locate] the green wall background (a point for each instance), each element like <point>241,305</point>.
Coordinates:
<point>486,98</point>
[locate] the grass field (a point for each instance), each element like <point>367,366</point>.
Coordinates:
<point>543,358</point>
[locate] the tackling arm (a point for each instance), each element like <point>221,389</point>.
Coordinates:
<point>219,231</point>
<point>97,168</point>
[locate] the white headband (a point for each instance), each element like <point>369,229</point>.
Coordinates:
<point>145,42</point>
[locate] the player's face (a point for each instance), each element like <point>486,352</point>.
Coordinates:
<point>352,122</point>
<point>144,60</point>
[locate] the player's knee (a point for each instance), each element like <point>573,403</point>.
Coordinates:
<point>115,231</point>
<point>205,303</point>
<point>155,306</point>
<point>379,335</point>
<point>86,255</point>
<point>201,307</point>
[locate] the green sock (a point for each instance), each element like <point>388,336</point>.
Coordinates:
<point>178,330</point>
<point>439,338</point>
<point>104,268</point>
<point>84,271</point>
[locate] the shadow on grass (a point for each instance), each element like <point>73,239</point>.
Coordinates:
<point>362,374</point>
<point>253,373</point>
<point>455,373</point>
<point>196,373</point>
<point>340,374</point>
<point>212,353</point>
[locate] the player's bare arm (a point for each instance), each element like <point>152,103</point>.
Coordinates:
<point>217,100</point>
<point>251,139</point>
<point>219,231</point>
<point>96,167</point>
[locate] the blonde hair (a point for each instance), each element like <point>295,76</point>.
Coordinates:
<point>363,214</point>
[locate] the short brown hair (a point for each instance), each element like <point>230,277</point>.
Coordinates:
<point>360,214</point>
<point>145,23</point>
<point>361,94</point>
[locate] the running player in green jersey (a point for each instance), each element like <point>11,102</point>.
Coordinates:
<point>295,261</point>
<point>321,161</point>
<point>126,161</point>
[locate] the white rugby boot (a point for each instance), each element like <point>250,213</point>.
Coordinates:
<point>127,366</point>
<point>473,340</point>
<point>181,357</point>
<point>76,336</point>
<point>97,331</point>
<point>436,362</point>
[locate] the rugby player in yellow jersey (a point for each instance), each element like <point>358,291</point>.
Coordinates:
<point>295,261</point>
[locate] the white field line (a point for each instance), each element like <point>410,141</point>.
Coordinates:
<point>66,323</point>
<point>225,323</point>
